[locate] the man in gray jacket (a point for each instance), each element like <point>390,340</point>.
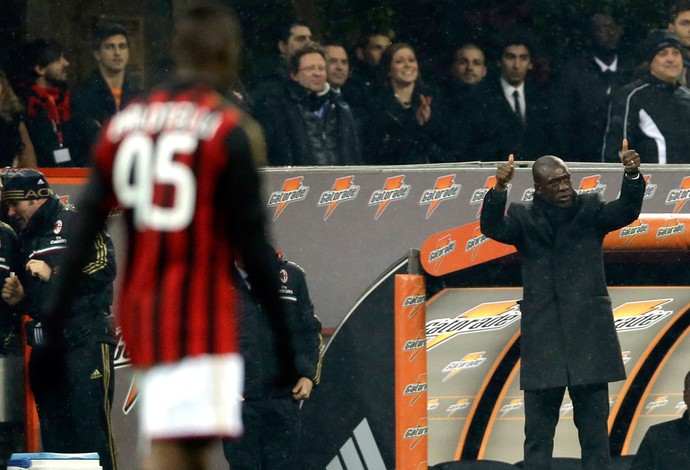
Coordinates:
<point>568,334</point>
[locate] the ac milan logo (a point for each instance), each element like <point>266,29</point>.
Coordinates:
<point>283,276</point>
<point>57,227</point>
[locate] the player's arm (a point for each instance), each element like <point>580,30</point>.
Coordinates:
<point>87,224</point>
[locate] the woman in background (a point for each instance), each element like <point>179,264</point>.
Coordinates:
<point>406,124</point>
<point>15,145</point>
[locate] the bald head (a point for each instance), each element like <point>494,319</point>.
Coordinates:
<point>207,42</point>
<point>544,165</point>
<point>552,181</point>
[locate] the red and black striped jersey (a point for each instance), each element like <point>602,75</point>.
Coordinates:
<point>181,165</point>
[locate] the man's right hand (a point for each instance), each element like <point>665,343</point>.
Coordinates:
<point>12,291</point>
<point>504,173</point>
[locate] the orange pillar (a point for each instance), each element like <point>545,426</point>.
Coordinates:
<point>411,425</point>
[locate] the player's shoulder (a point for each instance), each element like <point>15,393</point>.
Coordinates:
<point>292,269</point>
<point>6,230</point>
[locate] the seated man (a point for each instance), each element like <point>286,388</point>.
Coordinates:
<point>666,446</point>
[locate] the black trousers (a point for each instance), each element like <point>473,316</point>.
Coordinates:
<point>74,391</point>
<point>271,436</point>
<point>590,412</point>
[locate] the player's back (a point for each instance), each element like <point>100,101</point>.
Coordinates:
<point>167,159</point>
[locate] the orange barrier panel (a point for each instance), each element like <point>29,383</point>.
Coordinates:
<point>465,246</point>
<point>411,425</point>
<point>32,435</point>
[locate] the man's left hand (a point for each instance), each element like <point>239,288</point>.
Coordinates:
<point>303,389</point>
<point>39,268</point>
<point>630,159</point>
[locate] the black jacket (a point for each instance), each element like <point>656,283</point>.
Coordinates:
<point>393,135</point>
<point>296,136</point>
<point>10,334</point>
<point>665,446</point>
<point>496,132</point>
<point>263,378</point>
<point>581,104</point>
<point>46,237</point>
<point>568,333</point>
<point>653,115</point>
<point>91,106</point>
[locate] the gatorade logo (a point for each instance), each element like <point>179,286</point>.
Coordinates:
<point>640,315</point>
<point>292,191</point>
<point>343,190</point>
<point>394,189</point>
<point>679,196</point>
<point>488,316</point>
<point>444,247</point>
<point>478,194</point>
<point>469,361</point>
<point>591,185</point>
<point>445,189</point>
<point>416,390</point>
<point>660,402</point>
<point>416,433</point>
<point>512,405</point>
<point>461,404</point>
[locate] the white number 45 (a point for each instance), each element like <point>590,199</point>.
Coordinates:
<point>142,163</point>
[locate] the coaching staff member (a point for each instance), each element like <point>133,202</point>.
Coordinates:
<point>568,334</point>
<point>71,365</point>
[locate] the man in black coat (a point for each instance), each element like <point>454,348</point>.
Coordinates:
<point>309,124</point>
<point>271,406</point>
<point>568,334</point>
<point>585,88</point>
<point>106,91</point>
<point>666,446</point>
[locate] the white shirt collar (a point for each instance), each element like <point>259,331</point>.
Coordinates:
<point>613,67</point>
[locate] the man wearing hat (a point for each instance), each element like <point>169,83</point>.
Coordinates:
<point>71,364</point>
<point>653,112</point>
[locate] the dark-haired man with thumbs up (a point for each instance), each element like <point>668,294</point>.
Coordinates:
<point>568,334</point>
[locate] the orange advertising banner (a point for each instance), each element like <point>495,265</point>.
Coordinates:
<point>411,424</point>
<point>465,246</point>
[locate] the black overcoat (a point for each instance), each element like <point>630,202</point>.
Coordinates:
<point>568,333</point>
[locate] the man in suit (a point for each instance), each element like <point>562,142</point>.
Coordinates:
<point>568,334</point>
<point>584,91</point>
<point>510,114</point>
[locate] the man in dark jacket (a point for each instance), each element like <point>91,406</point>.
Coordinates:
<point>585,88</point>
<point>568,334</point>
<point>653,112</point>
<point>666,446</point>
<point>309,124</point>
<point>271,406</point>
<point>71,368</point>
<point>107,90</point>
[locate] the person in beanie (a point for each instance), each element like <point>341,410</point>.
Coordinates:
<point>71,364</point>
<point>653,111</point>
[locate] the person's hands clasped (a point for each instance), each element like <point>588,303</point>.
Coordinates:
<point>630,159</point>
<point>504,173</point>
<point>302,390</point>
<point>39,269</point>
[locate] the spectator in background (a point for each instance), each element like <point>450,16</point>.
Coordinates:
<point>679,23</point>
<point>337,67</point>
<point>107,90</point>
<point>469,65</point>
<point>16,148</point>
<point>653,111</point>
<point>666,446</point>
<point>406,123</point>
<point>47,101</point>
<point>309,124</point>
<point>511,115</point>
<point>466,78</point>
<point>364,70</point>
<point>584,90</point>
<point>273,77</point>
<point>271,411</point>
